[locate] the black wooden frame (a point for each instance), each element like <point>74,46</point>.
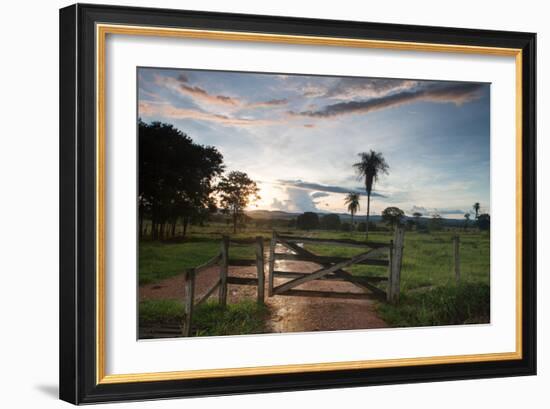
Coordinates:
<point>77,204</point>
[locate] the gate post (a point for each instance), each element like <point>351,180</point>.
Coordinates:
<point>272,263</point>
<point>456,247</point>
<point>396,257</point>
<point>224,263</point>
<point>188,302</point>
<point>260,268</point>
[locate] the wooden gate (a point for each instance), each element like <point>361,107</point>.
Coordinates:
<point>333,268</point>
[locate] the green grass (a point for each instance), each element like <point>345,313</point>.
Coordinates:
<point>429,294</point>
<point>160,311</point>
<point>245,317</point>
<point>465,303</point>
<point>209,319</point>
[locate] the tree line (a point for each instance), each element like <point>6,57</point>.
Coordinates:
<point>184,182</point>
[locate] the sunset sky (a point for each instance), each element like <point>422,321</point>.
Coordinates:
<point>298,136</point>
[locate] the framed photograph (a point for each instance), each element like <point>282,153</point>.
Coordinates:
<point>258,203</point>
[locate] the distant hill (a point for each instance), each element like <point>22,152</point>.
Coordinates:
<point>344,217</point>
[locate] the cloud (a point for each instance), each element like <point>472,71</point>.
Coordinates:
<point>181,85</point>
<point>317,195</point>
<point>448,93</point>
<point>268,104</point>
<point>298,200</point>
<point>350,88</point>
<point>431,211</point>
<point>323,188</point>
<point>165,110</point>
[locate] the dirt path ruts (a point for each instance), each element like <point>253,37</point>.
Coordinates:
<point>287,314</point>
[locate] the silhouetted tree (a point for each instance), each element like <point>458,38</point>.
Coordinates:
<point>307,221</point>
<point>436,222</point>
<point>476,208</point>
<point>392,215</point>
<point>352,201</point>
<point>370,167</point>
<point>417,216</point>
<point>484,221</point>
<point>175,177</point>
<point>236,191</point>
<point>330,222</point>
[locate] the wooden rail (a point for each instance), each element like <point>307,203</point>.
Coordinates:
<point>333,268</point>
<point>223,260</point>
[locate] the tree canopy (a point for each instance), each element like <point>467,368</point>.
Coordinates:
<point>236,191</point>
<point>307,221</point>
<point>176,176</point>
<point>392,215</point>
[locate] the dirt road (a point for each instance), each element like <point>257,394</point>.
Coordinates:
<point>287,314</point>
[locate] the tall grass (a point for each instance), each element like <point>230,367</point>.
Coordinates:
<point>466,303</point>
<point>209,319</point>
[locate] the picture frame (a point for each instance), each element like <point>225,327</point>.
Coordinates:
<point>83,33</point>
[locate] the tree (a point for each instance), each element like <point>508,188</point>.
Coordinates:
<point>175,177</point>
<point>417,216</point>
<point>392,215</point>
<point>330,222</point>
<point>466,220</point>
<point>436,222</point>
<point>236,191</point>
<point>307,221</point>
<point>352,201</point>
<point>476,208</point>
<point>484,221</point>
<point>370,167</point>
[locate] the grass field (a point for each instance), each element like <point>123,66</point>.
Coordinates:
<point>429,294</point>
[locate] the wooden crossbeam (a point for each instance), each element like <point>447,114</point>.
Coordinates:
<point>360,283</point>
<point>328,259</point>
<point>324,271</point>
<point>341,275</point>
<point>208,293</point>
<point>212,262</point>
<point>342,242</point>
<point>367,279</point>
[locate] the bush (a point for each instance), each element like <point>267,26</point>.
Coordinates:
<point>307,221</point>
<point>330,222</point>
<point>345,226</point>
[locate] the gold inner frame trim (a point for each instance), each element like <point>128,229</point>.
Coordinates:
<point>102,30</point>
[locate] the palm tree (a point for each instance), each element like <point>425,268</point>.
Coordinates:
<point>352,200</point>
<point>476,208</point>
<point>370,167</point>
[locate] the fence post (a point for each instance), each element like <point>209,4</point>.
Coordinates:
<point>390,267</point>
<point>224,265</point>
<point>272,263</point>
<point>394,284</point>
<point>260,268</point>
<point>188,302</point>
<point>456,247</point>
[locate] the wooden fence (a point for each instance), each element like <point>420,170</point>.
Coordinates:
<point>223,260</point>
<point>332,268</point>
